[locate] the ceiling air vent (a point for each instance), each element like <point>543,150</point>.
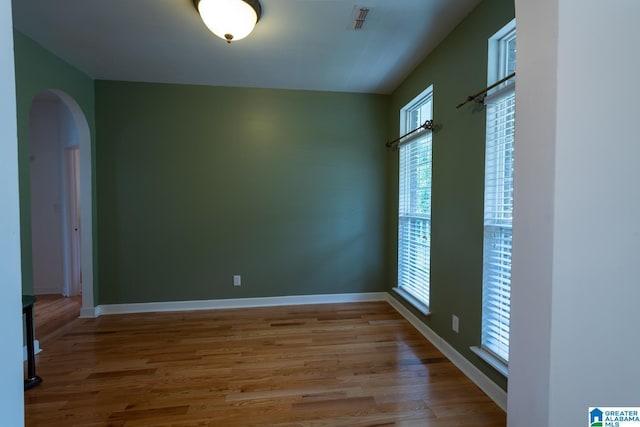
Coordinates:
<point>361,15</point>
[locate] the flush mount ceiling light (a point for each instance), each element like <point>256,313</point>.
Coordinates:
<point>229,19</point>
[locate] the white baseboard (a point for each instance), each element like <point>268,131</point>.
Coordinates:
<point>498,395</point>
<point>36,348</point>
<point>88,313</point>
<point>148,307</point>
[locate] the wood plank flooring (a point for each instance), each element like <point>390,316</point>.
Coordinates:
<point>53,314</point>
<point>356,364</point>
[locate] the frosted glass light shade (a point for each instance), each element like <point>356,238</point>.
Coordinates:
<point>228,19</point>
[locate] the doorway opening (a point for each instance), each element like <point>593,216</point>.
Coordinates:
<point>61,200</point>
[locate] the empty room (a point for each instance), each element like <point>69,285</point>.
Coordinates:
<point>319,212</point>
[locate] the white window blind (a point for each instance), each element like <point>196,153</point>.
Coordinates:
<point>498,220</point>
<point>414,213</point>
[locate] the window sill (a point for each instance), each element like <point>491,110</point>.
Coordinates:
<point>422,308</point>
<point>493,361</point>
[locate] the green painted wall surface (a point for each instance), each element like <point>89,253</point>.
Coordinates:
<point>197,184</point>
<point>38,69</point>
<point>456,68</point>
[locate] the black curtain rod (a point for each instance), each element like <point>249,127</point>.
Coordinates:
<point>482,92</point>
<point>428,125</point>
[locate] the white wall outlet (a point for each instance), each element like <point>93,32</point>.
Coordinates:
<point>455,323</point>
<point>237,280</point>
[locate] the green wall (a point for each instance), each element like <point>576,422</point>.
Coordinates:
<point>457,68</point>
<point>196,184</point>
<point>38,69</point>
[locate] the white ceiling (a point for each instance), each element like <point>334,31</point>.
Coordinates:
<point>298,44</point>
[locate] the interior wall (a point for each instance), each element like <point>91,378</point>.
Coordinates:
<point>11,366</point>
<point>577,320</point>
<point>68,135</point>
<point>596,286</point>
<point>456,68</point>
<point>47,203</point>
<point>68,130</point>
<point>198,184</point>
<point>37,69</point>
<point>534,192</point>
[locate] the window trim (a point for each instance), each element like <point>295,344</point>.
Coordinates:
<point>496,53</point>
<point>495,362</point>
<point>497,69</point>
<point>425,96</point>
<point>417,304</point>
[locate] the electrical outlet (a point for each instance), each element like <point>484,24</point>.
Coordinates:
<point>237,280</point>
<point>455,323</point>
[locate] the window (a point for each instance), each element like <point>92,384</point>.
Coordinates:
<point>498,199</point>
<point>414,212</point>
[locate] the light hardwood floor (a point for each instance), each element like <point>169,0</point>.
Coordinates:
<point>357,364</point>
<point>53,314</point>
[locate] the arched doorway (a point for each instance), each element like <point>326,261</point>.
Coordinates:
<point>61,198</point>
